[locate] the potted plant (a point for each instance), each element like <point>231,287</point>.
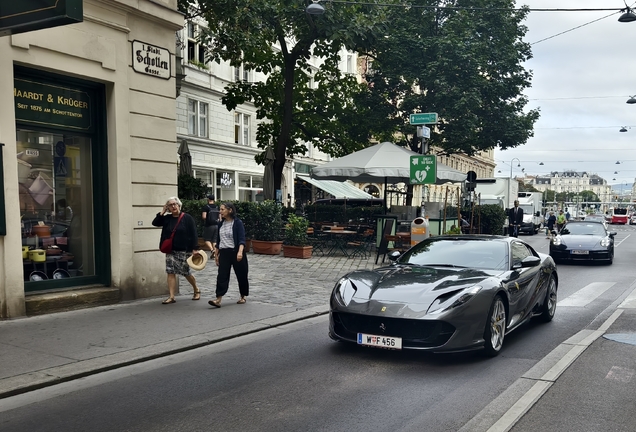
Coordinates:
<point>296,239</point>
<point>268,228</point>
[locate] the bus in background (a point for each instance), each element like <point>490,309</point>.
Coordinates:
<point>618,216</point>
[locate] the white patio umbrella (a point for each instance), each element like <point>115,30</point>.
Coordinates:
<point>385,161</point>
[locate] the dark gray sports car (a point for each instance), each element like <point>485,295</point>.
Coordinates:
<point>445,294</point>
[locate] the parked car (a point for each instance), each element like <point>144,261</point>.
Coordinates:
<point>446,294</point>
<point>583,241</point>
<point>596,218</point>
<point>632,219</point>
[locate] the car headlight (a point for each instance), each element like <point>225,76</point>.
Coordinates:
<point>442,304</point>
<point>605,242</point>
<point>344,291</point>
<point>557,241</point>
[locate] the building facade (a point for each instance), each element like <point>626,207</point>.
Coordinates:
<point>88,127</point>
<point>572,183</point>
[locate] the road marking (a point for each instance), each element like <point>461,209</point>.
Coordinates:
<point>630,301</point>
<point>586,295</point>
<point>618,373</point>
<point>622,240</point>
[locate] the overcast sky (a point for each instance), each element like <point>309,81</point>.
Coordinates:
<point>581,82</point>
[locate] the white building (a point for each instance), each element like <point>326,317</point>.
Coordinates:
<point>572,182</point>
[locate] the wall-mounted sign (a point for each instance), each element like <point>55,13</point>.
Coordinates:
<point>226,180</point>
<point>27,15</point>
<point>50,105</point>
<point>151,60</point>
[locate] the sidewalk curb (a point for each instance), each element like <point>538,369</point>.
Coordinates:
<point>56,375</point>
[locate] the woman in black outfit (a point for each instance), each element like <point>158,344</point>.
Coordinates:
<point>230,245</point>
<point>185,241</point>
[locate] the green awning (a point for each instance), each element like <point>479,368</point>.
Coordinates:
<point>336,188</point>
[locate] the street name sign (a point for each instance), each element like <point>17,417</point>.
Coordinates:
<point>423,169</point>
<point>423,118</point>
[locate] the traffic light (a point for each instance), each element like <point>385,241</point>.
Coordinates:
<point>471,178</point>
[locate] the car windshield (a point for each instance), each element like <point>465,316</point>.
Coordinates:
<point>593,229</point>
<point>481,254</point>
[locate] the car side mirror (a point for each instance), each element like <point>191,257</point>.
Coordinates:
<point>529,261</point>
<point>393,255</point>
<point>539,214</point>
<point>612,234</point>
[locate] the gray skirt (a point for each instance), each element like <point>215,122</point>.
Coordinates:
<point>177,263</point>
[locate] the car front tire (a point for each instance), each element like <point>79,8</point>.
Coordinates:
<point>495,328</point>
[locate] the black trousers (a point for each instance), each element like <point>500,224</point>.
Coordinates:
<point>227,260</point>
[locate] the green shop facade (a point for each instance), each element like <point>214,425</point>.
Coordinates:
<point>88,152</point>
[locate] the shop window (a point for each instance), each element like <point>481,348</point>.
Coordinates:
<point>56,205</point>
<point>197,118</point>
<point>242,129</point>
<point>250,188</point>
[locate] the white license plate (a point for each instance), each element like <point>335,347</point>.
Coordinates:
<point>380,341</point>
<point>580,252</point>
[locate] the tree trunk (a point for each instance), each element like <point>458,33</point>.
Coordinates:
<point>285,127</point>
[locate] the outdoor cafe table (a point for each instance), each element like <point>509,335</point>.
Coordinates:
<point>338,241</point>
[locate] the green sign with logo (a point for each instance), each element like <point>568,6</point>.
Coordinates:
<point>19,16</point>
<point>423,118</point>
<point>423,169</point>
<point>51,105</point>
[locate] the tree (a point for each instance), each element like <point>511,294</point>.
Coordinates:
<point>523,187</point>
<point>277,38</point>
<point>464,64</point>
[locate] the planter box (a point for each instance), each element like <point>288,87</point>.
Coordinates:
<point>267,247</point>
<point>297,251</point>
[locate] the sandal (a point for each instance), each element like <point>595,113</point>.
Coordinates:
<point>196,295</point>
<point>169,301</point>
<point>214,303</point>
<point>241,301</point>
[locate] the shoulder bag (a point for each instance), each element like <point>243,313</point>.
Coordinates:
<point>166,245</point>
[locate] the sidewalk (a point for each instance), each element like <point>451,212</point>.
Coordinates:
<point>45,350</point>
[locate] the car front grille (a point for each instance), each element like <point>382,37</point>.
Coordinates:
<point>415,333</point>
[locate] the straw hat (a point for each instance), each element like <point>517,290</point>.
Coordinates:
<point>198,260</point>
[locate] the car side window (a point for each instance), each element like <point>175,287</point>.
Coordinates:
<point>519,252</point>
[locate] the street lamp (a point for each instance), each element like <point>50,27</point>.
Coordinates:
<point>510,181</point>
<point>315,8</point>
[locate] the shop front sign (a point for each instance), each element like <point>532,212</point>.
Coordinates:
<point>50,105</point>
<point>151,60</point>
<point>19,16</point>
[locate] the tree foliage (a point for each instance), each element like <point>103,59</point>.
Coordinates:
<point>464,64</point>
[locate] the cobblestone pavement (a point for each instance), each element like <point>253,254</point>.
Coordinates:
<point>299,283</point>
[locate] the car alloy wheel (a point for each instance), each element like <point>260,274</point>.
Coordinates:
<point>549,305</point>
<point>495,328</point>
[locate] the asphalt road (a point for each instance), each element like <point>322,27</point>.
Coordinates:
<point>294,378</point>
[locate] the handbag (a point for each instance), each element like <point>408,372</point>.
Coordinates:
<point>166,245</point>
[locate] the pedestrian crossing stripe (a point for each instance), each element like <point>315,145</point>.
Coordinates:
<point>586,295</point>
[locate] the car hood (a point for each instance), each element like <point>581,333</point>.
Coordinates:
<point>582,241</point>
<point>410,285</point>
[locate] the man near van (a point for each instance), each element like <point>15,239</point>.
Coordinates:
<point>515,219</point>
<point>211,217</point>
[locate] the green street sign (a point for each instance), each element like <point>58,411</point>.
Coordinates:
<point>423,118</point>
<point>423,169</point>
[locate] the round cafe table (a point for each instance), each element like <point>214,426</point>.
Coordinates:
<point>338,241</point>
